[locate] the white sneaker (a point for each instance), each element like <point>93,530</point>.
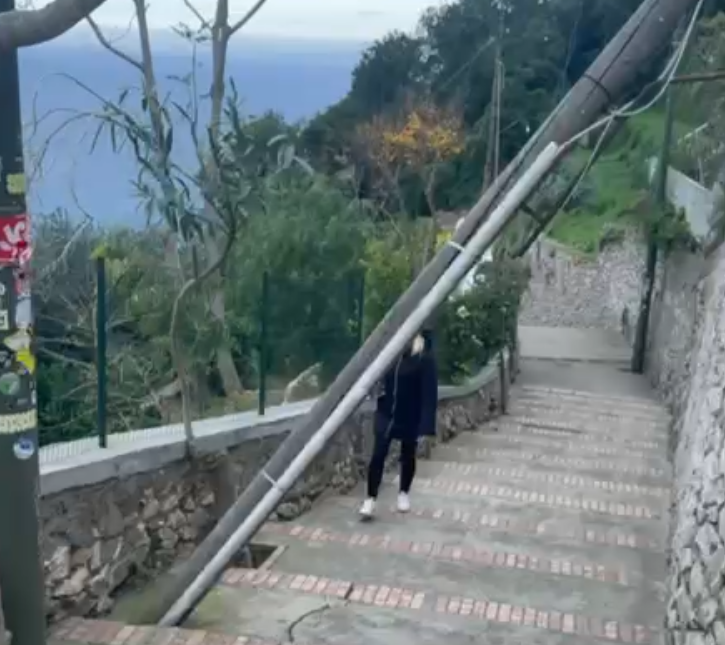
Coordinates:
<point>403,503</point>
<point>367,510</point>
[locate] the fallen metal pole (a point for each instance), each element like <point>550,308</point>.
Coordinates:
<point>464,261</point>
<point>611,74</point>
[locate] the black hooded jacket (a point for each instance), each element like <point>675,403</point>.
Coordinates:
<point>407,407</point>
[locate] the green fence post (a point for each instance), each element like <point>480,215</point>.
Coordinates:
<point>263,324</point>
<point>101,353</point>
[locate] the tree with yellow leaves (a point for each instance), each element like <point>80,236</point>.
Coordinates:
<point>419,140</point>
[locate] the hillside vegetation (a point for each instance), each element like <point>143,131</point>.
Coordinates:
<point>307,234</point>
<point>611,198</point>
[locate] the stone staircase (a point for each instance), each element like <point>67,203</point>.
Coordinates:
<point>546,525</point>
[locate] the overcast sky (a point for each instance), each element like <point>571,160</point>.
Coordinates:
<point>338,19</point>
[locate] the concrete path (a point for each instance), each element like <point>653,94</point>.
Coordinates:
<point>568,344</point>
<point>546,526</point>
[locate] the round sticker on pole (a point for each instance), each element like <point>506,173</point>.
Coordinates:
<point>24,448</point>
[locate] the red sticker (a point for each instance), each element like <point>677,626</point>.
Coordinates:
<point>15,239</point>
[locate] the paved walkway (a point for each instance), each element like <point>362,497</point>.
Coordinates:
<point>546,526</point>
<point>569,344</point>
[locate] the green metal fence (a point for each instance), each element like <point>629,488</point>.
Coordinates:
<point>308,330</point>
<point>295,334</point>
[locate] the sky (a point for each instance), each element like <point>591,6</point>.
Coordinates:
<point>360,20</point>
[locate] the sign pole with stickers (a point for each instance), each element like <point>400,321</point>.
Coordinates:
<point>21,569</point>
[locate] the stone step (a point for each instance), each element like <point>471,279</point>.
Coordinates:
<point>488,511</point>
<point>388,616</point>
<point>624,469</point>
<point>528,488</point>
<point>563,500</point>
<point>592,398</point>
<point>377,538</point>
<point>556,545</point>
<point>572,432</point>
<point>595,421</point>
<point>77,631</point>
<point>504,522</point>
<point>536,477</point>
<point>263,600</point>
<point>565,447</point>
<point>602,412</point>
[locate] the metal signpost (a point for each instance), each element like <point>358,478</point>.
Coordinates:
<point>21,574</point>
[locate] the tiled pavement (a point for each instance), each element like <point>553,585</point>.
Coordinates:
<point>544,527</point>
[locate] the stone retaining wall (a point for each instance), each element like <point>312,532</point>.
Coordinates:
<point>687,362</point>
<point>571,290</point>
<point>106,534</point>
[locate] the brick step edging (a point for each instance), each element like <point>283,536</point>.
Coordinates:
<point>573,482</point>
<point>560,568</point>
<point>105,632</point>
<point>485,610</point>
<point>491,521</point>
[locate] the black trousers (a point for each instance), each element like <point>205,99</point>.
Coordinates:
<point>408,450</point>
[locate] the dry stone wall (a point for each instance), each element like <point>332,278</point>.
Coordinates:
<point>568,289</point>
<point>99,539</point>
<point>687,362</point>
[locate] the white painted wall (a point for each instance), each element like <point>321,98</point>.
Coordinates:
<point>696,200</point>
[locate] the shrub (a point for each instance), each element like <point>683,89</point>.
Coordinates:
<point>474,325</point>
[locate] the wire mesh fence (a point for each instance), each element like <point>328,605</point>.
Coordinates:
<point>106,374</point>
<point>308,329</point>
<point>286,347</point>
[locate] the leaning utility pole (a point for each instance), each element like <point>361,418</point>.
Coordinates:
<point>659,202</point>
<point>21,574</point>
<point>491,167</point>
<point>609,77</point>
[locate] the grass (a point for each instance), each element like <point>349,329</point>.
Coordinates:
<point>615,197</point>
<point>613,192</point>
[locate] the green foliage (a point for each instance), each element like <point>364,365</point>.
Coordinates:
<point>309,239</point>
<point>613,196</point>
<point>315,235</point>
<point>471,326</point>
<point>65,304</point>
<point>474,325</point>
<point>546,45</point>
<point>391,255</point>
<point>669,227</point>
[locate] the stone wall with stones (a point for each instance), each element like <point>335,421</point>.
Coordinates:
<point>687,362</point>
<point>676,313</point>
<point>568,289</point>
<point>99,539</point>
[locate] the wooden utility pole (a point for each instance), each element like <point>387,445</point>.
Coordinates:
<point>639,351</point>
<point>609,77</point>
<point>493,148</point>
<point>659,193</point>
<point>21,575</point>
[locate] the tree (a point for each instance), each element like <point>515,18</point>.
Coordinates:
<point>704,106</point>
<point>27,27</point>
<point>419,141</point>
<point>203,207</point>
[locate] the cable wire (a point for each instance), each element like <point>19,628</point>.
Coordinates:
<point>665,77</point>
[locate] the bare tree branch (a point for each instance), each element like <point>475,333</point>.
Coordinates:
<point>197,14</point>
<point>23,28</point>
<point>111,47</point>
<point>247,17</point>
<point>51,268</point>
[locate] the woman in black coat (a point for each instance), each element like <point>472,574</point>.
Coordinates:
<point>406,411</point>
